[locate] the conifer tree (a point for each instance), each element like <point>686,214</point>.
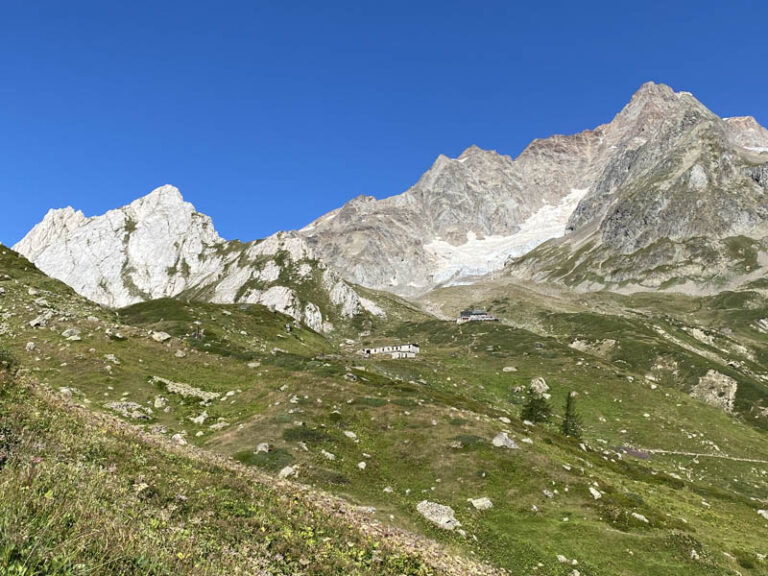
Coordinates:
<point>536,409</point>
<point>571,422</point>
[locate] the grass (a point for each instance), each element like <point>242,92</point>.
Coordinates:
<point>82,496</point>
<point>422,426</point>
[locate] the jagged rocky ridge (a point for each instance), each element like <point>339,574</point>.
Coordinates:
<point>160,246</point>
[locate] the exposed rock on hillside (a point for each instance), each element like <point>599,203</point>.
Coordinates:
<point>717,390</point>
<point>442,516</point>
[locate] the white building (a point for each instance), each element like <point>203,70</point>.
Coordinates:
<point>396,351</point>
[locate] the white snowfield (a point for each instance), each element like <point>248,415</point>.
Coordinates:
<point>479,256</point>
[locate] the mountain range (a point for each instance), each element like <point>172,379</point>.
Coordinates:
<point>665,196</point>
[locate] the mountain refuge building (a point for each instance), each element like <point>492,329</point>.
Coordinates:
<point>475,316</point>
<point>396,351</point>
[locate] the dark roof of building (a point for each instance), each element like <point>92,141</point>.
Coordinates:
<point>473,312</point>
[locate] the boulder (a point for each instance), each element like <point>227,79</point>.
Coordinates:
<point>481,503</point>
<point>442,516</point>
<point>179,439</point>
<point>502,440</point>
<point>160,336</point>
<point>327,455</point>
<point>38,322</point>
<point>200,418</point>
<point>289,472</point>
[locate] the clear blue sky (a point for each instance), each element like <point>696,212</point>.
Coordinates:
<point>267,114</point>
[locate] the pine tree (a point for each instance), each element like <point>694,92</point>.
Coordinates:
<point>571,421</point>
<point>536,409</point>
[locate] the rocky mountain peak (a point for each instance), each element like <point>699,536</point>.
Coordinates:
<point>160,246</point>
<point>653,92</point>
<point>678,188</point>
<point>148,249</point>
<point>475,152</point>
<point>163,202</point>
<point>54,226</point>
<point>652,105</point>
<point>166,195</point>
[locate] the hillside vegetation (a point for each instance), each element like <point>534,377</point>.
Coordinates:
<point>152,440</point>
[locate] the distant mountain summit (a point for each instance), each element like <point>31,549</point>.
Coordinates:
<point>665,195</point>
<point>681,203</point>
<point>154,247</point>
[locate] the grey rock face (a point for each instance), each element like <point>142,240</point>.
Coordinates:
<point>665,167</point>
<point>464,216</point>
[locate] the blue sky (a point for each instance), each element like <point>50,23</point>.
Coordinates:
<point>267,114</point>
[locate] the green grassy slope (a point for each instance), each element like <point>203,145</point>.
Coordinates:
<point>423,427</point>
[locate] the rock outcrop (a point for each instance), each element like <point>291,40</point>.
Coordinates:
<point>441,516</point>
<point>717,390</point>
